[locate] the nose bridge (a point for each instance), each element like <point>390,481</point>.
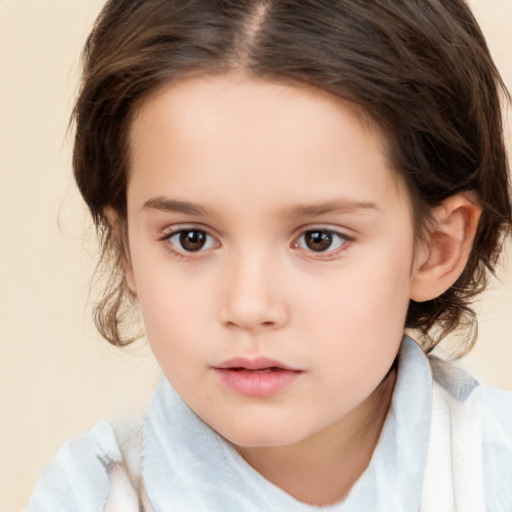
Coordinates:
<point>253,297</point>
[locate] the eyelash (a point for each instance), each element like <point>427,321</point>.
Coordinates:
<point>339,239</point>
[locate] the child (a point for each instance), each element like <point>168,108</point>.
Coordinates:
<point>283,187</point>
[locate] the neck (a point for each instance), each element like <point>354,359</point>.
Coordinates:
<point>321,469</point>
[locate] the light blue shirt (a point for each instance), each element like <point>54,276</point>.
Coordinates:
<point>188,467</point>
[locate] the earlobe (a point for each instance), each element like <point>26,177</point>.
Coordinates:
<point>443,255</point>
<point>120,238</point>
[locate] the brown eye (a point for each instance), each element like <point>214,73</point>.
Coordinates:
<point>193,240</point>
<point>318,241</point>
<point>321,240</point>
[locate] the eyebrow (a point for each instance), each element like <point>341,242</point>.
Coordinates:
<point>336,206</point>
<point>172,205</point>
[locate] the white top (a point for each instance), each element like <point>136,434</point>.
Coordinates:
<point>446,445</point>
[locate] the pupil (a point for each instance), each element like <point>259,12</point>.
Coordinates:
<point>192,240</point>
<point>318,240</point>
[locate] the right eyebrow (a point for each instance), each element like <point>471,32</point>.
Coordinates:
<point>335,206</point>
<point>174,206</point>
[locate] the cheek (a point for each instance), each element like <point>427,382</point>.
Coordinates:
<point>372,293</point>
<point>360,313</point>
<point>174,314</point>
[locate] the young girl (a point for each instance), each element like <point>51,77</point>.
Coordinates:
<point>282,188</point>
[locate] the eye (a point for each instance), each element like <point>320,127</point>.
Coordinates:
<point>321,240</point>
<point>191,240</point>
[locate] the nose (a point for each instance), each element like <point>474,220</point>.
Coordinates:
<point>253,298</point>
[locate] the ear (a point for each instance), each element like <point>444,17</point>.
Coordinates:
<point>443,255</point>
<point>120,236</point>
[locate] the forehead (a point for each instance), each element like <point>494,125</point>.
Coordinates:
<point>219,134</point>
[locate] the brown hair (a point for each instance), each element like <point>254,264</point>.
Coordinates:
<point>420,69</point>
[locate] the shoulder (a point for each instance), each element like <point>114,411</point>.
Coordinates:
<point>77,478</point>
<point>496,404</point>
<point>490,410</point>
<point>497,423</point>
<point>497,407</point>
<point>497,445</point>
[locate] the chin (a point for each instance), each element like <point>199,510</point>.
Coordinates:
<point>261,435</point>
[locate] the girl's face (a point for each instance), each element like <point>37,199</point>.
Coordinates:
<point>271,250</point>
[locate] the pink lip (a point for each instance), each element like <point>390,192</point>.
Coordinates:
<point>260,377</point>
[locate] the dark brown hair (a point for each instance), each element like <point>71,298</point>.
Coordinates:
<point>420,69</point>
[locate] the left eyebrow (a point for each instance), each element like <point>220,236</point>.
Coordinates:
<point>172,205</point>
<point>337,206</point>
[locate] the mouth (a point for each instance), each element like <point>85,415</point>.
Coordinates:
<point>256,370</point>
<point>260,377</point>
<point>259,364</point>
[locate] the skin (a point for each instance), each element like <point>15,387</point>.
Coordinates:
<point>254,165</point>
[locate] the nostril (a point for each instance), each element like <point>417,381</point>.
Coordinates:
<point>247,325</point>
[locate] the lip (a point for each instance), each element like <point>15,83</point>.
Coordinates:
<point>258,377</point>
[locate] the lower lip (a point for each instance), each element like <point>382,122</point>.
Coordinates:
<point>257,383</point>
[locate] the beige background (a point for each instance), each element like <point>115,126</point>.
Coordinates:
<point>57,377</point>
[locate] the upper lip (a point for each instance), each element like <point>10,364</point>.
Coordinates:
<point>258,363</point>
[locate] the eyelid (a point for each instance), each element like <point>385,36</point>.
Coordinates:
<point>170,230</point>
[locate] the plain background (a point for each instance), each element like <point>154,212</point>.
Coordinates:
<point>57,376</point>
